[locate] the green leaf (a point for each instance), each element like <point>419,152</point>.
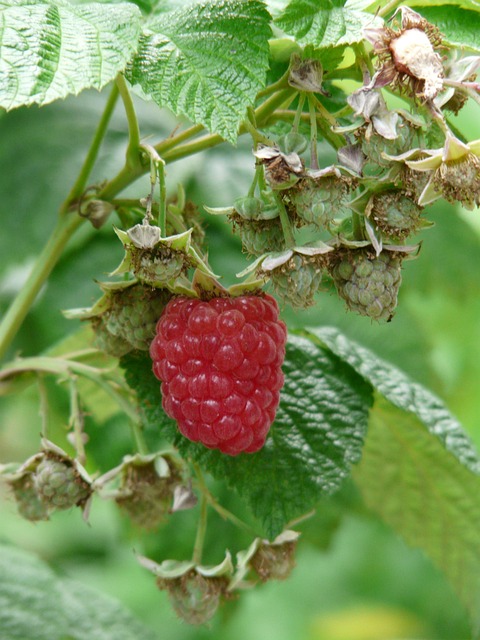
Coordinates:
<point>52,49</point>
<point>419,470</point>
<point>325,23</point>
<point>36,605</point>
<point>317,434</point>
<point>30,602</point>
<point>207,61</point>
<point>460,27</point>
<point>405,394</point>
<point>426,494</point>
<point>91,614</point>
<point>474,5</point>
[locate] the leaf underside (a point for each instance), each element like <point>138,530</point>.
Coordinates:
<point>419,471</point>
<point>426,495</point>
<point>37,605</point>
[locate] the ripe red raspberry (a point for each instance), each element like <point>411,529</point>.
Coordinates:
<point>220,366</point>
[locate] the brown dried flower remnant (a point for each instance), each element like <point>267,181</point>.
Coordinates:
<point>408,56</point>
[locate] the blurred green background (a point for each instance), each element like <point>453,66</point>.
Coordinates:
<point>354,579</point>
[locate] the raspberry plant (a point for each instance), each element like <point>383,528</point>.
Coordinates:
<point>347,119</point>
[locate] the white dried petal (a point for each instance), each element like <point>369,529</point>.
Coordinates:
<point>144,236</point>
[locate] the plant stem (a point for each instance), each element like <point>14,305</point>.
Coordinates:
<point>44,409</point>
<point>201,531</point>
<point>298,113</point>
<point>357,226</point>
<point>81,182</point>
<point>325,124</point>
<point>76,421</point>
<point>228,515</point>
<point>265,110</point>
<point>173,141</point>
<point>390,6</point>
<point>138,437</point>
<point>224,513</point>
<point>66,226</point>
<point>133,149</point>
<point>66,368</point>
<point>281,83</point>
<point>67,223</point>
<point>133,169</point>
<point>170,150</point>
<point>285,222</point>
<point>313,134</point>
<point>257,136</point>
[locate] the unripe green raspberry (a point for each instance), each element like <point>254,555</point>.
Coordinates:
<point>249,207</point>
<point>259,236</point>
<point>297,280</point>
<point>459,181</point>
<point>375,145</point>
<point>318,201</point>
<point>106,341</point>
<point>194,597</point>
<point>58,484</point>
<point>412,182</point>
<point>134,313</point>
<point>159,265</point>
<point>293,142</point>
<point>368,283</point>
<point>394,213</point>
<point>29,504</point>
<point>144,495</point>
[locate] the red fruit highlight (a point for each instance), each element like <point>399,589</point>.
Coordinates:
<point>220,366</point>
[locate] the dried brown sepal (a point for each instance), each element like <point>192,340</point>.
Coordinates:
<point>195,597</point>
<point>145,496</point>
<point>274,562</point>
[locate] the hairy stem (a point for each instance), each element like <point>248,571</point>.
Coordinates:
<point>133,149</point>
<point>67,368</point>
<point>201,531</point>
<point>137,434</point>
<point>325,123</point>
<point>132,170</point>
<point>299,111</point>
<point>82,179</point>
<point>285,222</point>
<point>313,134</point>
<point>390,6</point>
<point>67,223</point>
<point>77,421</point>
<point>224,513</point>
<point>44,406</point>
<point>65,228</point>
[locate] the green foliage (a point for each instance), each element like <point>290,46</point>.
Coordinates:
<point>425,493</point>
<point>343,412</point>
<point>324,24</point>
<point>405,394</point>
<point>459,25</point>
<point>207,61</point>
<point>419,471</point>
<point>60,61</point>
<point>38,605</point>
<point>316,437</point>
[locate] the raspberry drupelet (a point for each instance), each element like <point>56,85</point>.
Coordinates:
<point>220,365</point>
